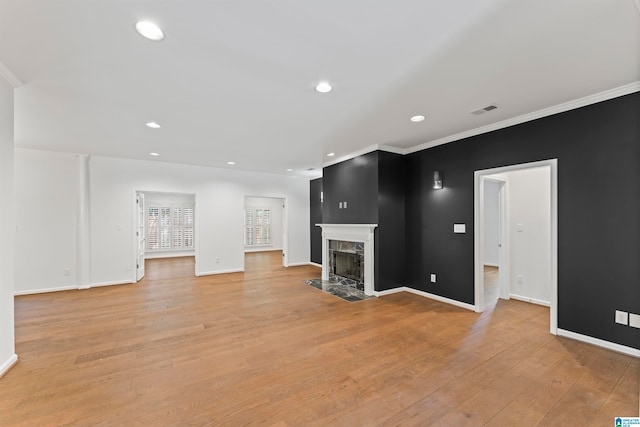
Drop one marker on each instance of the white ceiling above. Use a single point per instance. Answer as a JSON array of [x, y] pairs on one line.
[[233, 80]]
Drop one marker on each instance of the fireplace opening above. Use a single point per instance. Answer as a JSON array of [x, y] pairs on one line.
[[348, 265]]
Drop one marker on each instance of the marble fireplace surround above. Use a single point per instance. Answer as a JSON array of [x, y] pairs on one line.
[[351, 233]]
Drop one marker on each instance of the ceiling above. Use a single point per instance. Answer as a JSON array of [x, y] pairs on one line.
[[233, 80]]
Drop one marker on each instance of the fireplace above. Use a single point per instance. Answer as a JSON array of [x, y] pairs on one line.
[[348, 265], [347, 255]]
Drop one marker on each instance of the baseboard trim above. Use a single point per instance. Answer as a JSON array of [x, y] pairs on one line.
[[531, 300], [267, 248], [490, 264], [630, 351], [161, 255], [45, 290], [297, 264], [211, 273], [389, 291], [427, 295], [100, 284], [8, 364], [315, 264]]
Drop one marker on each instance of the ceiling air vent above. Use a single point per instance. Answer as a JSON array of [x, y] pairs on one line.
[[311, 169], [484, 109]]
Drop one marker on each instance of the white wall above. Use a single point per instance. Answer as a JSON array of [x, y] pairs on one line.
[[7, 228], [529, 210], [46, 200], [277, 215], [219, 196], [491, 223]]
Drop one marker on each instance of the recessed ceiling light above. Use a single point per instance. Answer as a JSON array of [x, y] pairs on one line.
[[154, 154], [231, 163], [331, 154], [153, 125], [149, 30], [323, 87], [417, 118], [289, 170]]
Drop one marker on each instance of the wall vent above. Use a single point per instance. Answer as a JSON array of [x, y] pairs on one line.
[[484, 109]]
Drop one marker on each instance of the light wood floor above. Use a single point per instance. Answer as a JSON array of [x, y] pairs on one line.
[[262, 348]]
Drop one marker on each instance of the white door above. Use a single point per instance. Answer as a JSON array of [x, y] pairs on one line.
[[504, 290], [142, 237]]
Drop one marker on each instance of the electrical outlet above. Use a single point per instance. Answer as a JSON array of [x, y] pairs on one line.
[[217, 260], [433, 278], [67, 271], [520, 279], [127, 267], [634, 320], [622, 317]]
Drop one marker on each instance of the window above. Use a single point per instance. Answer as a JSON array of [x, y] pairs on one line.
[[169, 227], [257, 223]]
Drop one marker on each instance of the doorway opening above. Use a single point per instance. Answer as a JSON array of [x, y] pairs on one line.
[[165, 228], [266, 226], [527, 212]]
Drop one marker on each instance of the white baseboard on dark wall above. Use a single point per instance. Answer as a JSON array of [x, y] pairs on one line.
[[490, 264], [8, 364], [315, 264], [531, 300], [390, 291], [427, 295], [630, 351]]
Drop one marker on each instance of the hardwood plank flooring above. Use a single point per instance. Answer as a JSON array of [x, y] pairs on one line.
[[263, 348]]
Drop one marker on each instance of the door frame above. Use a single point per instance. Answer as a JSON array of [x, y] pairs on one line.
[[285, 226], [478, 236], [140, 209], [134, 219], [504, 238]]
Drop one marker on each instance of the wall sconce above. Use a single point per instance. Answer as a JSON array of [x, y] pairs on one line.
[[437, 181]]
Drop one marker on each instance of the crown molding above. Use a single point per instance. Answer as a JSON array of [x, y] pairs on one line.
[[9, 76], [560, 108], [365, 150], [549, 111]]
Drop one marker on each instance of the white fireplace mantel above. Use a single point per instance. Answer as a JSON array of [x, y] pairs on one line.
[[351, 233]]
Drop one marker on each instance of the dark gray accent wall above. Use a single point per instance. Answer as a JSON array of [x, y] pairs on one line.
[[598, 152], [315, 216], [354, 181], [390, 233], [373, 187]]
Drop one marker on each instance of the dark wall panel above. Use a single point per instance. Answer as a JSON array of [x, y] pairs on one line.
[[598, 154], [354, 181], [390, 233], [315, 204]]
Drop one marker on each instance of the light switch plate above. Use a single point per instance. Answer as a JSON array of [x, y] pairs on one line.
[[433, 278], [459, 228], [634, 320], [622, 317], [519, 228]]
